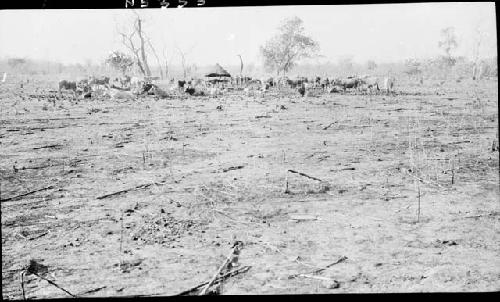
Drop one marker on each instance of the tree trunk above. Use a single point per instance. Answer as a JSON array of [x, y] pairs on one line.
[[143, 50], [156, 57], [139, 64], [241, 66], [166, 69], [183, 68]]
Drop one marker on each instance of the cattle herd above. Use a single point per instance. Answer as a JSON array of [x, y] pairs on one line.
[[85, 87]]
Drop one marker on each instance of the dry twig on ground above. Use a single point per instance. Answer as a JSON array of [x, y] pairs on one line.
[[230, 260], [219, 279], [305, 175], [26, 194], [341, 259]]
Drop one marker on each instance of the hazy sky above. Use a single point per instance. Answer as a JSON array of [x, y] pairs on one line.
[[382, 32]]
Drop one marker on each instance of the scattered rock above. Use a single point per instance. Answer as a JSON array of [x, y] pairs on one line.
[[331, 284]]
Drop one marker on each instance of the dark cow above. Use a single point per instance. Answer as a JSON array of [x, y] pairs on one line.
[[302, 89], [181, 84], [98, 81], [189, 90], [245, 80], [270, 82], [192, 91], [148, 88], [297, 82], [325, 83], [67, 85]]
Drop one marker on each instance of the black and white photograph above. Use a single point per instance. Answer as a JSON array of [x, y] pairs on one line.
[[249, 150]]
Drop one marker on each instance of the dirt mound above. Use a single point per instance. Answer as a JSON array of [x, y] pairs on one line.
[[163, 229]]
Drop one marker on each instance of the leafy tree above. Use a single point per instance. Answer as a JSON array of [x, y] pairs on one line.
[[16, 62], [282, 52], [120, 61]]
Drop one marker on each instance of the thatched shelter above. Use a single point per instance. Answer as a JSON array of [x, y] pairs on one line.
[[217, 74]]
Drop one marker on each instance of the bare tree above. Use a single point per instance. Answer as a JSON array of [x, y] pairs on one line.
[[448, 43], [128, 42], [183, 62], [137, 48], [183, 54], [164, 54], [475, 55], [156, 56], [138, 29], [241, 66]]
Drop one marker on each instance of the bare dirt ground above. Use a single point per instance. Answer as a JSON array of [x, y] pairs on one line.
[[202, 177]]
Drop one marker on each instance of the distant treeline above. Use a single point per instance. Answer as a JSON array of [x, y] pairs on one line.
[[425, 68]]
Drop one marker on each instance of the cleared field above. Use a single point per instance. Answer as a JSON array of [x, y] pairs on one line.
[[193, 175]]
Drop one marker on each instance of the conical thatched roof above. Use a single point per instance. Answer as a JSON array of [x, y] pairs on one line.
[[217, 71]]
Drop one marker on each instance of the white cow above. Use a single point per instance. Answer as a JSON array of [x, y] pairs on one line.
[[370, 82], [214, 91], [136, 82], [308, 86], [389, 84], [117, 94]]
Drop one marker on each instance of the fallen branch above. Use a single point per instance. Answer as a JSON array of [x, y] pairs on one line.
[[53, 283], [22, 284], [219, 279], [341, 259], [233, 168], [305, 175], [271, 247], [92, 290], [319, 152], [481, 215], [346, 169], [55, 127], [303, 217], [49, 146], [229, 260], [226, 215], [331, 124], [38, 236], [58, 118], [126, 190], [459, 142], [26, 194], [33, 269], [316, 277]]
